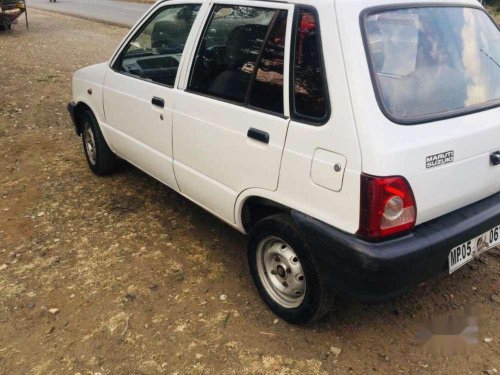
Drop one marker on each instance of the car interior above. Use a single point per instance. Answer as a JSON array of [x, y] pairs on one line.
[[155, 53], [227, 56]]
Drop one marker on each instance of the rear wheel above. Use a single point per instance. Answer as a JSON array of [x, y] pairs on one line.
[[100, 158], [284, 272]]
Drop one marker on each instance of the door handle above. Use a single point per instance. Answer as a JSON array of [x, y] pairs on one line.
[[158, 102], [258, 135], [495, 158]]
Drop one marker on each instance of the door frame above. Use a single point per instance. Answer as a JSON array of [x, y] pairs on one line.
[[182, 84], [162, 174], [147, 17]]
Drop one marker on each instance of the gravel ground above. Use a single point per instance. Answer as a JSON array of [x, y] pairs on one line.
[[121, 275]]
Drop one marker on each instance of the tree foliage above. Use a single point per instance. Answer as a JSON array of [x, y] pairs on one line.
[[494, 7], [492, 3]]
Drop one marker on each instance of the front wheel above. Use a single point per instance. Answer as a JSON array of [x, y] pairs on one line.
[[284, 272], [100, 158]]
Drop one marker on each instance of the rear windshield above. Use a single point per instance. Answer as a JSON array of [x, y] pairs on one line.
[[434, 62]]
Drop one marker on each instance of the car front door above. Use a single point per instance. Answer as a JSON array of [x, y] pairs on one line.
[[139, 90], [231, 119]]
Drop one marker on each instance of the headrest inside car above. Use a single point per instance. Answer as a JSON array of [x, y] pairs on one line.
[[243, 45]]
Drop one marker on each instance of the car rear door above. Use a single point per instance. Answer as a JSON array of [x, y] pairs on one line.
[[231, 119], [139, 90]]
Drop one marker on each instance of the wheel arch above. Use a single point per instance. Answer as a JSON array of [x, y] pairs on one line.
[[80, 109], [253, 207]]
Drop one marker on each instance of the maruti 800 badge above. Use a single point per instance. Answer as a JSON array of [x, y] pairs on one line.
[[439, 159]]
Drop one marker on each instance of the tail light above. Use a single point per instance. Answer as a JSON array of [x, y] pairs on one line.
[[388, 206]]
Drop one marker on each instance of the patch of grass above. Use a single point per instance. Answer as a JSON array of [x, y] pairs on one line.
[[47, 78]]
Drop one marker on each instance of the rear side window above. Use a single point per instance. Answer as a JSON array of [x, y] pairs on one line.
[[241, 57], [433, 62], [310, 96]]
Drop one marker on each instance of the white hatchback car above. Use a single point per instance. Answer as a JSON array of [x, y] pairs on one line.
[[357, 142]]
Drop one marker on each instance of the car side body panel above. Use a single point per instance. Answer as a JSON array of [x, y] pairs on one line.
[[215, 159], [87, 88]]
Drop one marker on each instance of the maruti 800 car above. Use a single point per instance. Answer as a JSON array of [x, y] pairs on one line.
[[356, 142]]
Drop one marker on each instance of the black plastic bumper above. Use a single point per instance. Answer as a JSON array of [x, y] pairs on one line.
[[379, 271], [71, 111]]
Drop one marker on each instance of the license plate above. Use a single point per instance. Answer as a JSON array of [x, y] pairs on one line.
[[463, 254]]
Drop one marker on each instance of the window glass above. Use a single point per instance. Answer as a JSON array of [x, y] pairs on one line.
[[155, 53], [432, 61], [229, 50], [310, 95], [267, 87]]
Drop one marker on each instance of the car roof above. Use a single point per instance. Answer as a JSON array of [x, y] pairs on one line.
[[360, 3]]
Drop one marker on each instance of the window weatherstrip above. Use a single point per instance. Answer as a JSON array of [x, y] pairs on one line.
[[293, 49]]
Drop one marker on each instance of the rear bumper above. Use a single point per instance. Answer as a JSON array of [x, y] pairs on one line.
[[379, 271]]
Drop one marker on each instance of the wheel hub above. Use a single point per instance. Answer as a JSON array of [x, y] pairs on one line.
[[281, 272]]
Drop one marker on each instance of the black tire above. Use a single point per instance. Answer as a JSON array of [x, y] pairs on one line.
[[102, 161], [317, 300]]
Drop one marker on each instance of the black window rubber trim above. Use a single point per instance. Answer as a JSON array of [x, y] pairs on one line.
[[296, 116], [376, 87]]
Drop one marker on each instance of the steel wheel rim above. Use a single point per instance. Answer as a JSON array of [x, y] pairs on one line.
[[281, 272], [89, 142]]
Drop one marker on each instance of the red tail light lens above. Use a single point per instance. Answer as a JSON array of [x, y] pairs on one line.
[[387, 206]]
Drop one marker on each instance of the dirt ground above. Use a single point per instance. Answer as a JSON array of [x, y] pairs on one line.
[[121, 275]]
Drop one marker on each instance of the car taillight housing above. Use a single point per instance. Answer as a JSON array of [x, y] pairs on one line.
[[388, 207]]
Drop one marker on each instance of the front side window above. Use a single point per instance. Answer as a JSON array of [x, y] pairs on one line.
[[310, 96], [431, 62], [154, 54], [230, 51]]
